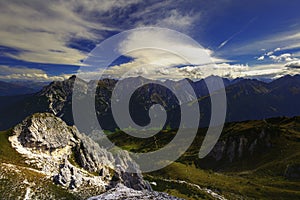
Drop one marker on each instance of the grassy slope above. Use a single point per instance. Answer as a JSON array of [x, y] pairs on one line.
[[232, 185], [256, 177]]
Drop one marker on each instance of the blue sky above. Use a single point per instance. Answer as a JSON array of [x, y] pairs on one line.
[[48, 40]]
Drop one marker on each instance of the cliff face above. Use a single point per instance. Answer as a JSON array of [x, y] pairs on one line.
[[70, 158], [236, 147], [243, 144]]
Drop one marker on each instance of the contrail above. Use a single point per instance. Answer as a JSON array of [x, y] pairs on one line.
[[235, 34]]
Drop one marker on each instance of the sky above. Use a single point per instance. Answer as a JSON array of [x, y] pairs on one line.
[[49, 40]]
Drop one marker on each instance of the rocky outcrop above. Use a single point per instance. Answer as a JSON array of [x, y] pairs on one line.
[[233, 147], [123, 192], [70, 158], [44, 132], [292, 171]]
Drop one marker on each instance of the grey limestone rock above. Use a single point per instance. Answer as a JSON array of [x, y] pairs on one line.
[[73, 159]]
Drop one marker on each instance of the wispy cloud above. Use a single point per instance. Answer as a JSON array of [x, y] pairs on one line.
[[226, 70], [41, 30], [287, 40], [177, 21]]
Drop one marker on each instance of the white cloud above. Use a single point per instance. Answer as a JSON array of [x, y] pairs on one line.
[[221, 69], [23, 73], [286, 57], [271, 71], [277, 49], [261, 58], [272, 52], [133, 69], [162, 40], [197, 72], [157, 54]]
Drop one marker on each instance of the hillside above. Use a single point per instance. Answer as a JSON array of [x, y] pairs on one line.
[[252, 160]]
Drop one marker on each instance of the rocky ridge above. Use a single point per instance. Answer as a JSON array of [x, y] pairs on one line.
[[72, 159], [235, 147]]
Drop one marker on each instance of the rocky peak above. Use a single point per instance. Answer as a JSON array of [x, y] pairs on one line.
[[70, 158], [59, 93]]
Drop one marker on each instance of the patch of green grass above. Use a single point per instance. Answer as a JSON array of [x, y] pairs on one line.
[[15, 181], [72, 160], [176, 189], [7, 153]]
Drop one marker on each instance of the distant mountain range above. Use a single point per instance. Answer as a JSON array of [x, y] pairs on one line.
[[247, 99], [20, 87]]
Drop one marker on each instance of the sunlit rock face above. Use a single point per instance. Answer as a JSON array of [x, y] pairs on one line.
[[70, 158], [123, 192]]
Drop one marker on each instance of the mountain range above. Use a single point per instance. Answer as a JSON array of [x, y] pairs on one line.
[[20, 87], [247, 99]]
